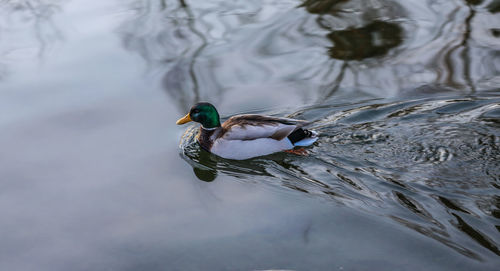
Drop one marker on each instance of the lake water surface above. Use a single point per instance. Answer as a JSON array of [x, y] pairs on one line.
[[95, 175]]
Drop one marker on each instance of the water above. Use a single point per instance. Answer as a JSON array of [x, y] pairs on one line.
[[95, 175]]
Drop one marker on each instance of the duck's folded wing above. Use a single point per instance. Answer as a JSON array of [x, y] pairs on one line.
[[250, 127]]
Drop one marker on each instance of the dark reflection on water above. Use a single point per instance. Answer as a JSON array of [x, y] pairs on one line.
[[429, 164], [322, 6], [372, 40], [494, 6]]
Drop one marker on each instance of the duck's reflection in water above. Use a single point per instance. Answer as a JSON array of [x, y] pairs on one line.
[[207, 165], [204, 165]]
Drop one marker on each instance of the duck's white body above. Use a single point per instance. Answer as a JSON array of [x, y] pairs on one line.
[[245, 149], [240, 139]]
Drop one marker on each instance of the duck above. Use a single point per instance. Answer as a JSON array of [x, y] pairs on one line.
[[246, 136]]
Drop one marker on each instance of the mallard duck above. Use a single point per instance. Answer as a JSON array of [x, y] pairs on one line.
[[246, 136]]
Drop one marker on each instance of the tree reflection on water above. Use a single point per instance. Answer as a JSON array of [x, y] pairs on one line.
[[372, 40], [377, 47], [35, 16], [166, 36], [449, 56]]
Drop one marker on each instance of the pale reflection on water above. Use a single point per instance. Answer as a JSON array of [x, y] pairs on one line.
[[404, 94]]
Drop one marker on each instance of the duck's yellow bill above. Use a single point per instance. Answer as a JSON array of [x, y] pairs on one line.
[[184, 119]]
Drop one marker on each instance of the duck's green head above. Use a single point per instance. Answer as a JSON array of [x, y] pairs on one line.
[[204, 113]]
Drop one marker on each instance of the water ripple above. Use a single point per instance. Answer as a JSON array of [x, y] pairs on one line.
[[396, 159]]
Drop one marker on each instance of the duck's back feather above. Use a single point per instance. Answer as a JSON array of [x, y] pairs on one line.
[[251, 127]]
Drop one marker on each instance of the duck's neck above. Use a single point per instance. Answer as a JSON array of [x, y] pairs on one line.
[[207, 136]]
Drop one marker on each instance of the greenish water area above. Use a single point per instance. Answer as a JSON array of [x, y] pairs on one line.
[[95, 175]]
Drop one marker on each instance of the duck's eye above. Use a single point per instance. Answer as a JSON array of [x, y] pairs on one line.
[[196, 111]]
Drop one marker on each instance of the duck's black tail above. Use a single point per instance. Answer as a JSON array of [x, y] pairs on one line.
[[300, 134]]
